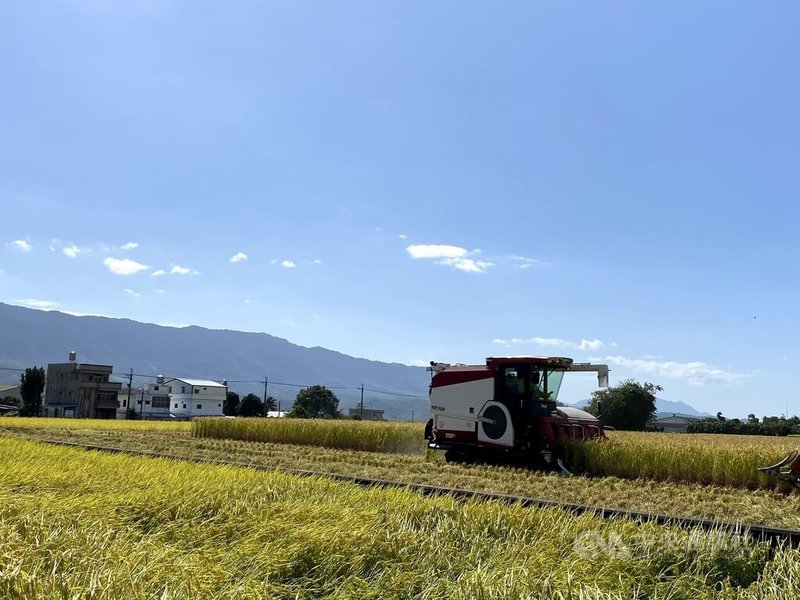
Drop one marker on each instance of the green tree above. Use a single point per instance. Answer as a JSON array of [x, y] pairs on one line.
[[231, 405], [629, 405], [251, 406], [31, 388], [9, 401], [315, 402], [271, 404]]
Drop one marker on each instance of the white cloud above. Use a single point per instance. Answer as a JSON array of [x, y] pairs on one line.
[[129, 246], [402, 236], [22, 245], [450, 256], [158, 273], [159, 292], [179, 270], [436, 251], [238, 257], [317, 261], [594, 344], [584, 345], [288, 264], [695, 373], [131, 293], [249, 301], [71, 251], [467, 264], [124, 266], [33, 303], [523, 262]]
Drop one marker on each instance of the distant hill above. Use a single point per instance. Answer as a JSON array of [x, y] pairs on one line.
[[34, 337], [663, 407]]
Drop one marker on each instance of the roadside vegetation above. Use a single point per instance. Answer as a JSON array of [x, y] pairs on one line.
[[115, 526]]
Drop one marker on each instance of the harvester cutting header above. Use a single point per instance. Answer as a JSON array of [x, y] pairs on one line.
[[507, 407]]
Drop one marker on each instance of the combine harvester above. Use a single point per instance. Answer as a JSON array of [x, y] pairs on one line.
[[507, 409], [787, 470]]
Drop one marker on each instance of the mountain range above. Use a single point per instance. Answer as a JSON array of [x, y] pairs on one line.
[[663, 408], [31, 337]]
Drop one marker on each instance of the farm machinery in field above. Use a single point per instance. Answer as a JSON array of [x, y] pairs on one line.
[[508, 408], [787, 470]]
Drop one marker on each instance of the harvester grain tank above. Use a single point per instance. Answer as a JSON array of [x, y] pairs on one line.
[[507, 407]]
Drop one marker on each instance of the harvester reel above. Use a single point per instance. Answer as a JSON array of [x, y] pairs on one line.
[[786, 470]]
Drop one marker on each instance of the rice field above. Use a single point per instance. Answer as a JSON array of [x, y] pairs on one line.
[[115, 527], [707, 459], [93, 424], [372, 436], [685, 499]]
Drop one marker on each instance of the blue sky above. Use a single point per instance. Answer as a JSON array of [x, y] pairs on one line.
[[416, 181]]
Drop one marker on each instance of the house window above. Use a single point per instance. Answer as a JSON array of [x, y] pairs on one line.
[[183, 389], [124, 403], [176, 405], [184, 406], [197, 390], [155, 388], [161, 402], [199, 406]]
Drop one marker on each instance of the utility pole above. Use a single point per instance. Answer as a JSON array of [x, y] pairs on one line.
[[130, 385], [362, 402], [264, 411]]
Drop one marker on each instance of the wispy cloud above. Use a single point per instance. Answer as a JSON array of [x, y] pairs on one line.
[[238, 257], [523, 262], [43, 304], [696, 373], [124, 266], [129, 246], [21, 245], [179, 270], [584, 344], [71, 251], [158, 273], [131, 293], [317, 261], [288, 264], [451, 256]]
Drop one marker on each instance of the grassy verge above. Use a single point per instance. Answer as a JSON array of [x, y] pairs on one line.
[[729, 504], [112, 526]]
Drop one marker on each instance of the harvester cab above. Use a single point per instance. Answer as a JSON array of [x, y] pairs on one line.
[[507, 407]]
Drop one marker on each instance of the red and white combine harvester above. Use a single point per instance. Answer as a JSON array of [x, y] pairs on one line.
[[507, 408]]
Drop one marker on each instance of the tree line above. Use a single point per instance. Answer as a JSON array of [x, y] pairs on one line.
[[315, 402]]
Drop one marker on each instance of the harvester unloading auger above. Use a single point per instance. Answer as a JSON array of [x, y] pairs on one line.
[[787, 470], [507, 407]]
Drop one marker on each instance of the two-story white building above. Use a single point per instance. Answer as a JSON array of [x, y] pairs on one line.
[[195, 397]]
